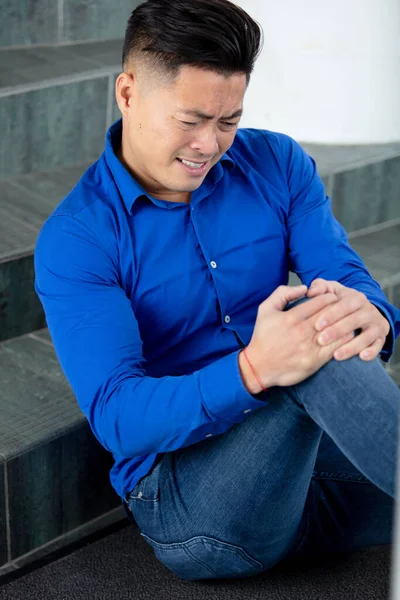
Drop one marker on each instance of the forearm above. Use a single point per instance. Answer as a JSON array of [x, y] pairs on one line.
[[144, 415]]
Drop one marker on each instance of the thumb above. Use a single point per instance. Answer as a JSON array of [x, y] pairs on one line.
[[284, 294]]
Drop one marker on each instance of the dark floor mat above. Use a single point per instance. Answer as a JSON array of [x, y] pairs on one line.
[[122, 566]]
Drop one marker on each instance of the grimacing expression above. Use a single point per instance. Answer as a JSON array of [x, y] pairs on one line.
[[194, 119]]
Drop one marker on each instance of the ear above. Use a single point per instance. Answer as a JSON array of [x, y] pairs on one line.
[[123, 91]]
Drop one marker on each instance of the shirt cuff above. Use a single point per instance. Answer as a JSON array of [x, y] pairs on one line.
[[388, 346], [223, 392]]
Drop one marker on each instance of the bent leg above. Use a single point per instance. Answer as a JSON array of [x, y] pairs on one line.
[[232, 505], [358, 405], [345, 510]]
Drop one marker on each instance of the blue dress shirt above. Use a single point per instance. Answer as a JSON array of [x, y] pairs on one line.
[[148, 302]]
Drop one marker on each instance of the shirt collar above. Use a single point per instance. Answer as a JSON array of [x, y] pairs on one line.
[[129, 188]]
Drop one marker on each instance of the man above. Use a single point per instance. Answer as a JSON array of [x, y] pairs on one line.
[[245, 429]]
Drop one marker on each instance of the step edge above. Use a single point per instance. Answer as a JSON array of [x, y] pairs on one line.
[[66, 43], [62, 431], [103, 521], [86, 75]]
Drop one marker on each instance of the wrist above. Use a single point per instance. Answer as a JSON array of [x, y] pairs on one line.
[[251, 381]]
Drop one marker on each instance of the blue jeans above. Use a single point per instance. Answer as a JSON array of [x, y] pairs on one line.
[[314, 471]]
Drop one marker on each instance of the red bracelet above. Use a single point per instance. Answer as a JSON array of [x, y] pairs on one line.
[[253, 371]]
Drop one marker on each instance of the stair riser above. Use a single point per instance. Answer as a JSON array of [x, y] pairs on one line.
[[56, 126], [367, 195], [45, 503], [50, 22], [20, 309]]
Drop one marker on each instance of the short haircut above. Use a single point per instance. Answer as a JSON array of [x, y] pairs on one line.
[[212, 35]]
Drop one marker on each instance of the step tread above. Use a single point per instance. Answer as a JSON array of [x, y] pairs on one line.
[[335, 159], [27, 201], [37, 403], [21, 67], [380, 250]]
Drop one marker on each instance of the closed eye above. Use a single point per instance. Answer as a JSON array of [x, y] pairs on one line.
[[222, 123]]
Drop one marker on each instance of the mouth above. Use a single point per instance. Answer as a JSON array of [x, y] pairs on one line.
[[194, 167]]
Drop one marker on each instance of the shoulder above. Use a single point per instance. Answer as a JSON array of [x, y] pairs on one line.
[[87, 212], [91, 188], [263, 148]]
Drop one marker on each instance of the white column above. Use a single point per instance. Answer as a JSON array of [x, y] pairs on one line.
[[329, 72]]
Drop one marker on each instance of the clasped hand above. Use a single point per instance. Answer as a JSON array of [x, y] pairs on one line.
[[352, 311]]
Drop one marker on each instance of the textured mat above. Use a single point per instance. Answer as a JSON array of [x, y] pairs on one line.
[[122, 566]]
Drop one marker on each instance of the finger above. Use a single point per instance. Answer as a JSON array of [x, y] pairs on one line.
[[284, 294], [316, 290], [313, 306], [346, 305], [356, 346], [372, 351], [330, 350], [318, 281], [324, 286], [356, 320]]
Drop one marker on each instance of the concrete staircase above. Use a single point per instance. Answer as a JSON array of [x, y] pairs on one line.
[[56, 103]]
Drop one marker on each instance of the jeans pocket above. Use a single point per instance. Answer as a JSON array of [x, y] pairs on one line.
[[203, 557], [147, 488]]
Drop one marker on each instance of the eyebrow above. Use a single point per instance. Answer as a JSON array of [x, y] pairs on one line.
[[201, 115]]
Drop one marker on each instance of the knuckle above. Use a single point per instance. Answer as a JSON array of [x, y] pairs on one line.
[[362, 298], [305, 362], [301, 329], [353, 302], [376, 336], [291, 318], [330, 297]]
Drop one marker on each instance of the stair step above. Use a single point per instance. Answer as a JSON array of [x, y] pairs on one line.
[[27, 69], [363, 182], [57, 101], [380, 250], [340, 159], [54, 475], [49, 21], [26, 202]]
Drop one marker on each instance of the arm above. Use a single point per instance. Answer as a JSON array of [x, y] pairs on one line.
[[97, 341], [318, 244]]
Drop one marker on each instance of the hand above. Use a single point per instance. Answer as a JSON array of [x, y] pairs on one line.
[[352, 311], [283, 349]]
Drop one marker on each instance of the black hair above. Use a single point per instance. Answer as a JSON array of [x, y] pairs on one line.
[[213, 35]]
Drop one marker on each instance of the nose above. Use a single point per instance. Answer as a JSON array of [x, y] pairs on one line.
[[206, 142]]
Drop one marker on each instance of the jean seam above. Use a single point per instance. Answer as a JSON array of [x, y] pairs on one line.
[[305, 533], [339, 476], [186, 546], [200, 562]]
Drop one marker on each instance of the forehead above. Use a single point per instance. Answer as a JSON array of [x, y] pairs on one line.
[[196, 89]]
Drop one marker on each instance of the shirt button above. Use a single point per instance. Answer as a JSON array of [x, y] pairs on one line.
[[227, 319], [247, 411], [209, 435], [213, 264]]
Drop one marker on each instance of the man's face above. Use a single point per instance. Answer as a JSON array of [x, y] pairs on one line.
[[159, 129]]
